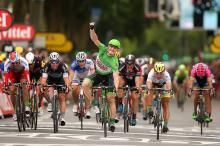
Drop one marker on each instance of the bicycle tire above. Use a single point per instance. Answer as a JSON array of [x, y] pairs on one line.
[[34, 112], [201, 116], [18, 113], [81, 115], [104, 118], [55, 114], [24, 122]]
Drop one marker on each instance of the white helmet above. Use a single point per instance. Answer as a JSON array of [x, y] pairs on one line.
[[81, 56], [54, 56], [29, 57]]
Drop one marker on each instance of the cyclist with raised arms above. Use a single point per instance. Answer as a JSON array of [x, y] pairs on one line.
[[55, 72], [201, 77], [130, 74], [80, 68], [16, 70], [106, 73], [158, 77]]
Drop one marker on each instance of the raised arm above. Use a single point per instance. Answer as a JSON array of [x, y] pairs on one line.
[[93, 35]]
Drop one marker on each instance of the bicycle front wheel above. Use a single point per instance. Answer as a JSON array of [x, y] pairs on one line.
[[55, 114]]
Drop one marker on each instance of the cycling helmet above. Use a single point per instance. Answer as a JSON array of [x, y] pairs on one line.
[[140, 61], [115, 43], [14, 56], [81, 56], [54, 56], [159, 67], [29, 57], [181, 67], [200, 69], [19, 50], [130, 59]]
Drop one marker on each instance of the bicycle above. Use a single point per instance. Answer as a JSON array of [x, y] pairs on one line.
[[105, 115], [55, 105], [201, 108], [34, 101], [182, 98], [158, 117], [81, 106], [19, 106], [127, 115]]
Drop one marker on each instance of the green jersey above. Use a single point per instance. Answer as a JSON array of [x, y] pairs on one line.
[[180, 77], [105, 64]]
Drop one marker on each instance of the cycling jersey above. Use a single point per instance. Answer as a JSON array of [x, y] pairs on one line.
[[105, 64], [80, 73], [129, 76], [55, 76], [145, 71], [200, 81], [36, 69], [180, 76], [16, 72], [159, 81]]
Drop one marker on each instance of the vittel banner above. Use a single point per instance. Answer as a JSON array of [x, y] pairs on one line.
[[18, 32]]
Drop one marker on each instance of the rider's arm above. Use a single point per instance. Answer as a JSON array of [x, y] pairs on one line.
[[116, 79], [138, 76], [44, 75], [71, 75], [66, 76], [94, 37], [92, 67], [6, 73]]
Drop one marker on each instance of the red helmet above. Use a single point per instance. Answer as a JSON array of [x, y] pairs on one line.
[[200, 69]]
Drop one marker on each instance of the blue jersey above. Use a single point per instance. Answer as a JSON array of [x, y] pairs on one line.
[[82, 72]]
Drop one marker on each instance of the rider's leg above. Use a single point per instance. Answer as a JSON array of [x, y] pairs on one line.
[[75, 95], [62, 102], [208, 105], [166, 111], [86, 85], [25, 92]]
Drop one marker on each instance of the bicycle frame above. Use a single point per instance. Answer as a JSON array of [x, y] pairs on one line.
[[201, 108], [55, 106]]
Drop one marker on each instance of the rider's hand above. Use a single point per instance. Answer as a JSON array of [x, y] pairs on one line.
[[92, 25]]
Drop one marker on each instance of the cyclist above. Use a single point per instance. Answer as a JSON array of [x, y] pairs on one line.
[[16, 70], [160, 78], [180, 81], [80, 68], [130, 73], [55, 72], [35, 67], [106, 73], [201, 77]]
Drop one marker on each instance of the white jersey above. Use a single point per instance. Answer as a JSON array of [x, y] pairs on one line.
[[23, 65], [161, 80]]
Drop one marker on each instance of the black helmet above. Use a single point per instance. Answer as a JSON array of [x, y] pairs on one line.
[[130, 59]]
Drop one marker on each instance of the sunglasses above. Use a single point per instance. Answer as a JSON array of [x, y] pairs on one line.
[[15, 62], [80, 61], [54, 62], [112, 46]]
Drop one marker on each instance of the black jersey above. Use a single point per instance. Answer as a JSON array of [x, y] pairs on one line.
[[55, 76], [36, 69]]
